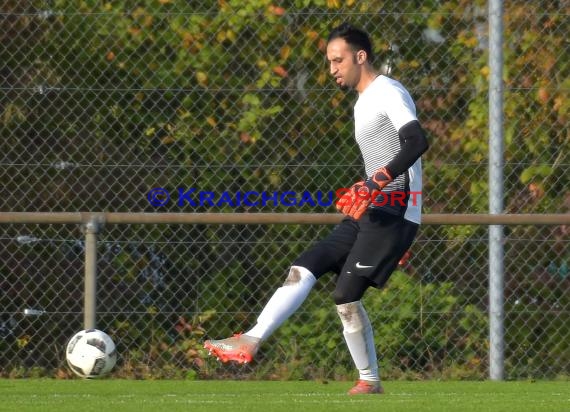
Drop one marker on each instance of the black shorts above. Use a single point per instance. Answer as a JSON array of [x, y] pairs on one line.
[[370, 247]]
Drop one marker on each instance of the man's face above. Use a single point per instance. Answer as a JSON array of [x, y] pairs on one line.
[[343, 62]]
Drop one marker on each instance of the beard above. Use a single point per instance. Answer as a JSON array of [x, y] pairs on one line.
[[344, 86]]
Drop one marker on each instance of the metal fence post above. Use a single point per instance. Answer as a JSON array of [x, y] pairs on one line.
[[90, 300], [496, 192]]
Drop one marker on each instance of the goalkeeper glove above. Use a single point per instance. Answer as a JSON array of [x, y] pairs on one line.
[[355, 202], [379, 179], [347, 198]]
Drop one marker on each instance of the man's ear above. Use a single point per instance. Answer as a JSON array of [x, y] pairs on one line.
[[361, 56]]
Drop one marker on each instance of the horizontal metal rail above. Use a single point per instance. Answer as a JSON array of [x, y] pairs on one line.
[[114, 218]]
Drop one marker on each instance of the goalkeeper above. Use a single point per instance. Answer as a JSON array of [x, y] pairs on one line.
[[364, 249]]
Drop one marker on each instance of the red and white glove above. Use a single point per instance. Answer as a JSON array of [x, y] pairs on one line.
[[355, 202]]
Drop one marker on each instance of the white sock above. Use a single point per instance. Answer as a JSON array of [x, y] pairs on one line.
[[284, 302], [359, 339]]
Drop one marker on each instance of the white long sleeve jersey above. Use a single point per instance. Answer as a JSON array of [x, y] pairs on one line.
[[380, 111]]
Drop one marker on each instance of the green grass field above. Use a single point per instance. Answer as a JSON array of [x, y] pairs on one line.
[[112, 395]]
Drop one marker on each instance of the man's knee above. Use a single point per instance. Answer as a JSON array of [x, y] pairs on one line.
[[341, 297], [298, 274], [350, 288]]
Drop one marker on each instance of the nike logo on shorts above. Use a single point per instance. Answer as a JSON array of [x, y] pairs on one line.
[[359, 266]]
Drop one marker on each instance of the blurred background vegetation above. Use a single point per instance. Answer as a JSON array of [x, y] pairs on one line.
[[103, 100]]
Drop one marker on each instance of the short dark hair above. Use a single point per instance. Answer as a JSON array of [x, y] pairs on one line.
[[355, 37]]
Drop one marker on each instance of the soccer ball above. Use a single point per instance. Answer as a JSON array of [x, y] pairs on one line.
[[91, 353]]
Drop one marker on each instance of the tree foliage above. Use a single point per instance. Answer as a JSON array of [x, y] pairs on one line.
[[235, 95]]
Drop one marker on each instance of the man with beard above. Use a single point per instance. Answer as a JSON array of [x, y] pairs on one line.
[[381, 218]]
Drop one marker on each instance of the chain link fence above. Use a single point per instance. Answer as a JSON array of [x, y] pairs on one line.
[[228, 107]]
